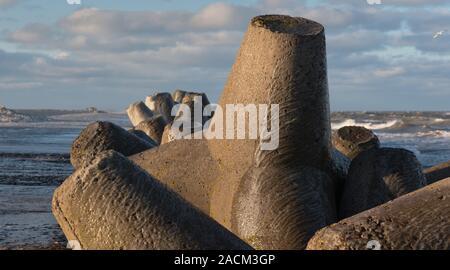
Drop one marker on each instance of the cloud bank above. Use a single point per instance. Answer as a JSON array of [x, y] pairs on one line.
[[380, 57]]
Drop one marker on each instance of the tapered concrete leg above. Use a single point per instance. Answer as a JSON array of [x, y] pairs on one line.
[[113, 204], [353, 140], [141, 134], [339, 167], [154, 128], [282, 60], [377, 176], [281, 207], [419, 220], [102, 136], [178, 95], [437, 172], [162, 104], [138, 112]]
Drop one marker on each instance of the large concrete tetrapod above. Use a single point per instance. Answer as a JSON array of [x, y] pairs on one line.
[[284, 196], [377, 176], [418, 220], [110, 203], [282, 61]]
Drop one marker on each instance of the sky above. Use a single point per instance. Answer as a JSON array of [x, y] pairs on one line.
[[110, 53]]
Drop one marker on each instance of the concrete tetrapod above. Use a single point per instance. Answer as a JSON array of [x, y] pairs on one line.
[[162, 104], [377, 176], [154, 128], [101, 136], [282, 61], [419, 220], [138, 112], [352, 140], [113, 204], [438, 172]]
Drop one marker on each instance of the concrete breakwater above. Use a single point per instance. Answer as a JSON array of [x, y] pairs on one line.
[[239, 195]]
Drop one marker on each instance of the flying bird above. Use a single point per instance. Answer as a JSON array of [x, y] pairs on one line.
[[439, 34]]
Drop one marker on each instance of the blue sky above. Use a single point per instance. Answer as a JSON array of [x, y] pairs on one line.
[[109, 53]]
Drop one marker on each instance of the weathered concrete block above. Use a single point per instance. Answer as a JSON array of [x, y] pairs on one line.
[[416, 221], [162, 104], [167, 136], [339, 167], [185, 166], [353, 140], [281, 207], [377, 176], [113, 204], [154, 128], [101, 136], [138, 112], [437, 172], [141, 134], [178, 95], [282, 60]]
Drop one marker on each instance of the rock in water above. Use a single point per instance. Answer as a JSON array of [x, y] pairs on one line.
[[113, 204], [162, 104], [377, 176], [416, 221], [154, 128], [437, 172], [101, 136], [353, 140], [138, 112]]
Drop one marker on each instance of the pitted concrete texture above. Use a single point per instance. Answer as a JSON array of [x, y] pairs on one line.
[[437, 172], [154, 128], [416, 221], [377, 176], [282, 60], [353, 140], [111, 203], [281, 207], [276, 64], [101, 136], [339, 167], [138, 112], [185, 166], [141, 134]]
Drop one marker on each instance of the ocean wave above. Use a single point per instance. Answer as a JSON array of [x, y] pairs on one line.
[[368, 125], [435, 134]]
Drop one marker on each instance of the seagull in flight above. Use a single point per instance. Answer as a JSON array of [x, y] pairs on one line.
[[439, 34]]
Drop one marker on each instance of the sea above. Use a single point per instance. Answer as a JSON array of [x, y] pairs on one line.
[[35, 147]]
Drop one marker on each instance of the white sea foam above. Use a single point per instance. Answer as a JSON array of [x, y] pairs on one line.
[[371, 126], [439, 120], [435, 134]]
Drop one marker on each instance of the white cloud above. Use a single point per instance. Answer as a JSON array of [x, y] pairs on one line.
[[123, 54], [389, 72]]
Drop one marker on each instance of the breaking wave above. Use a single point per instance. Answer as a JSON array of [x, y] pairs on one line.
[[369, 125]]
